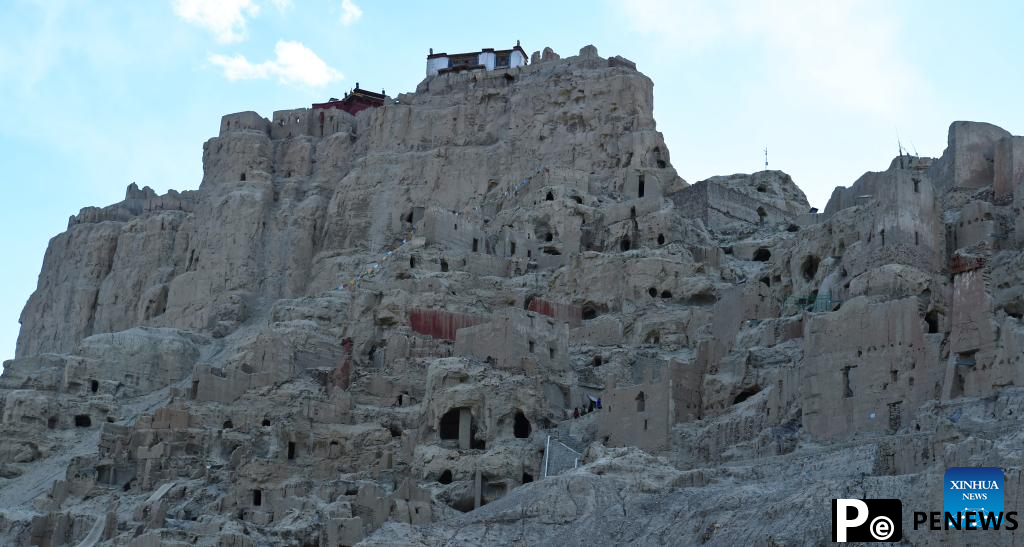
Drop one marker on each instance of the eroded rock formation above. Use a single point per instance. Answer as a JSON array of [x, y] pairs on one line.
[[377, 328]]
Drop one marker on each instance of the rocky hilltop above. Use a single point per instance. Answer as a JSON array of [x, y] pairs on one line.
[[491, 312]]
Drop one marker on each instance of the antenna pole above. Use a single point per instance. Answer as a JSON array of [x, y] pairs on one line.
[[766, 158]]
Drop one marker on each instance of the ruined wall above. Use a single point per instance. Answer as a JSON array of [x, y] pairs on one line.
[[867, 383]]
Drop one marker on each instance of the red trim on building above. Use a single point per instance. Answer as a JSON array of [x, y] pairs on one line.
[[355, 102]]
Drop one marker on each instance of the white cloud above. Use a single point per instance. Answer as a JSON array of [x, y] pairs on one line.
[[226, 19], [282, 5], [846, 52], [350, 12], [294, 63]]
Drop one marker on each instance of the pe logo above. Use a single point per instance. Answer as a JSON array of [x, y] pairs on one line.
[[971, 492], [867, 520]]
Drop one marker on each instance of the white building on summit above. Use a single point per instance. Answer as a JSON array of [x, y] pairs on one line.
[[486, 59]]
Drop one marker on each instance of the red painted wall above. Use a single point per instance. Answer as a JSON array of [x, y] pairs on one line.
[[568, 313], [439, 323]]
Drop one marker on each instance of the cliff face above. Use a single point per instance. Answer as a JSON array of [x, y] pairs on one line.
[[378, 327], [199, 260]]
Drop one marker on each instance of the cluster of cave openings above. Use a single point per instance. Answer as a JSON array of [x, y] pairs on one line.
[[521, 425]]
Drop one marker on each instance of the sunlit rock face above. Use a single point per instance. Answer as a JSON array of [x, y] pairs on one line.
[[491, 312]]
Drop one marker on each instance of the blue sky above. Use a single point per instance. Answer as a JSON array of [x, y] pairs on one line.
[[99, 94]]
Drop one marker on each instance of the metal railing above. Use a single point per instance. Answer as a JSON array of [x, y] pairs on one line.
[[559, 458]]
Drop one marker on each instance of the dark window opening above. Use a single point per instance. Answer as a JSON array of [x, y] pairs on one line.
[[549, 250], [932, 318], [83, 420], [446, 477], [632, 212], [746, 394], [641, 402], [291, 450], [917, 185], [882, 234], [661, 239], [521, 427], [792, 228], [917, 241], [532, 345], [597, 361], [527, 477], [661, 164], [549, 197], [529, 253], [266, 422], [257, 498], [94, 386], [551, 353], [653, 292], [228, 425], [624, 244], [444, 265], [476, 244], [589, 313], [412, 261], [767, 281], [728, 251], [395, 430], [242, 178], [549, 236], [761, 254], [847, 392], [578, 200], [640, 187], [761, 188], [512, 248], [450, 425], [809, 268], [666, 294], [761, 214], [51, 423]]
